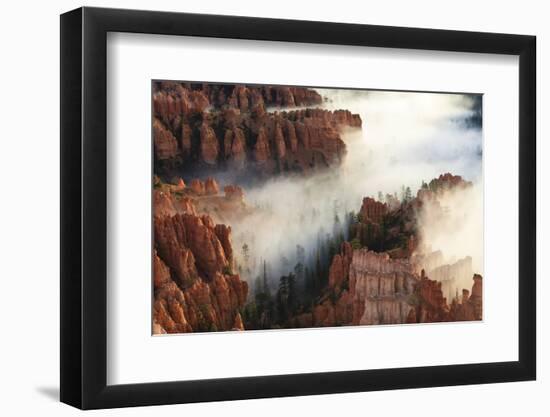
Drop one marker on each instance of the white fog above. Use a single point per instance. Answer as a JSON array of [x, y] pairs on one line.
[[406, 138]]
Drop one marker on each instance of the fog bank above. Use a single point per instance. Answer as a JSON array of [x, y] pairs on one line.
[[454, 225], [406, 138]]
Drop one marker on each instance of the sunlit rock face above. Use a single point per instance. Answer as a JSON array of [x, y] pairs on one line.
[[172, 99], [166, 146], [372, 210], [238, 134], [381, 288], [391, 291], [376, 289], [339, 269], [470, 306], [198, 235], [209, 146], [202, 307], [195, 286]]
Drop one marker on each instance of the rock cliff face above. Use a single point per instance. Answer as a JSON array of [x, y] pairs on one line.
[[470, 307], [430, 304], [372, 210], [200, 197], [370, 288], [381, 288], [195, 288], [443, 183], [339, 269], [238, 134], [166, 147], [172, 99]]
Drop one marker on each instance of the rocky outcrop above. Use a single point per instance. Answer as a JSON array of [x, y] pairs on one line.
[[172, 99], [235, 148], [209, 146], [199, 188], [381, 288], [470, 306], [202, 307], [194, 284], [238, 323], [184, 235], [233, 192], [389, 285], [437, 186], [238, 134], [275, 143], [211, 186], [166, 203], [365, 288], [261, 150], [370, 288], [166, 146], [339, 268], [198, 198], [195, 288], [161, 273], [448, 181], [476, 298], [372, 210], [431, 305]]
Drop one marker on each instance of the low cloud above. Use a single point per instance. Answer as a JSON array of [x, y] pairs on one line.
[[406, 138]]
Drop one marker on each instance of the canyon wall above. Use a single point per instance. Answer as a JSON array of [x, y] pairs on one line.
[[371, 288], [238, 134], [195, 287], [381, 288], [172, 98], [470, 306]]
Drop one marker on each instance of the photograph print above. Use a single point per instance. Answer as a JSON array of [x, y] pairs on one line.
[[290, 207]]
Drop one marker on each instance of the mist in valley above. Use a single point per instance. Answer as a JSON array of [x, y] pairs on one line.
[[406, 138]]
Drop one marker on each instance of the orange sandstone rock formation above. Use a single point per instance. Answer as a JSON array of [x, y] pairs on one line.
[[238, 133], [195, 287]]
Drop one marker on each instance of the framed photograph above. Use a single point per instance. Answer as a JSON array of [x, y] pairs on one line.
[[257, 208]]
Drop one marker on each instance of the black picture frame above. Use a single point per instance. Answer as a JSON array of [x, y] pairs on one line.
[[84, 207]]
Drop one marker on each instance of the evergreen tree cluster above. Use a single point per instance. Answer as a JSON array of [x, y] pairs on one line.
[[277, 300]]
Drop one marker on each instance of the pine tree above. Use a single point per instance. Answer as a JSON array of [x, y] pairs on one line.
[[318, 273], [408, 194], [308, 282], [246, 252], [246, 257], [258, 285], [265, 283], [299, 271], [292, 298], [300, 254], [282, 299]]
